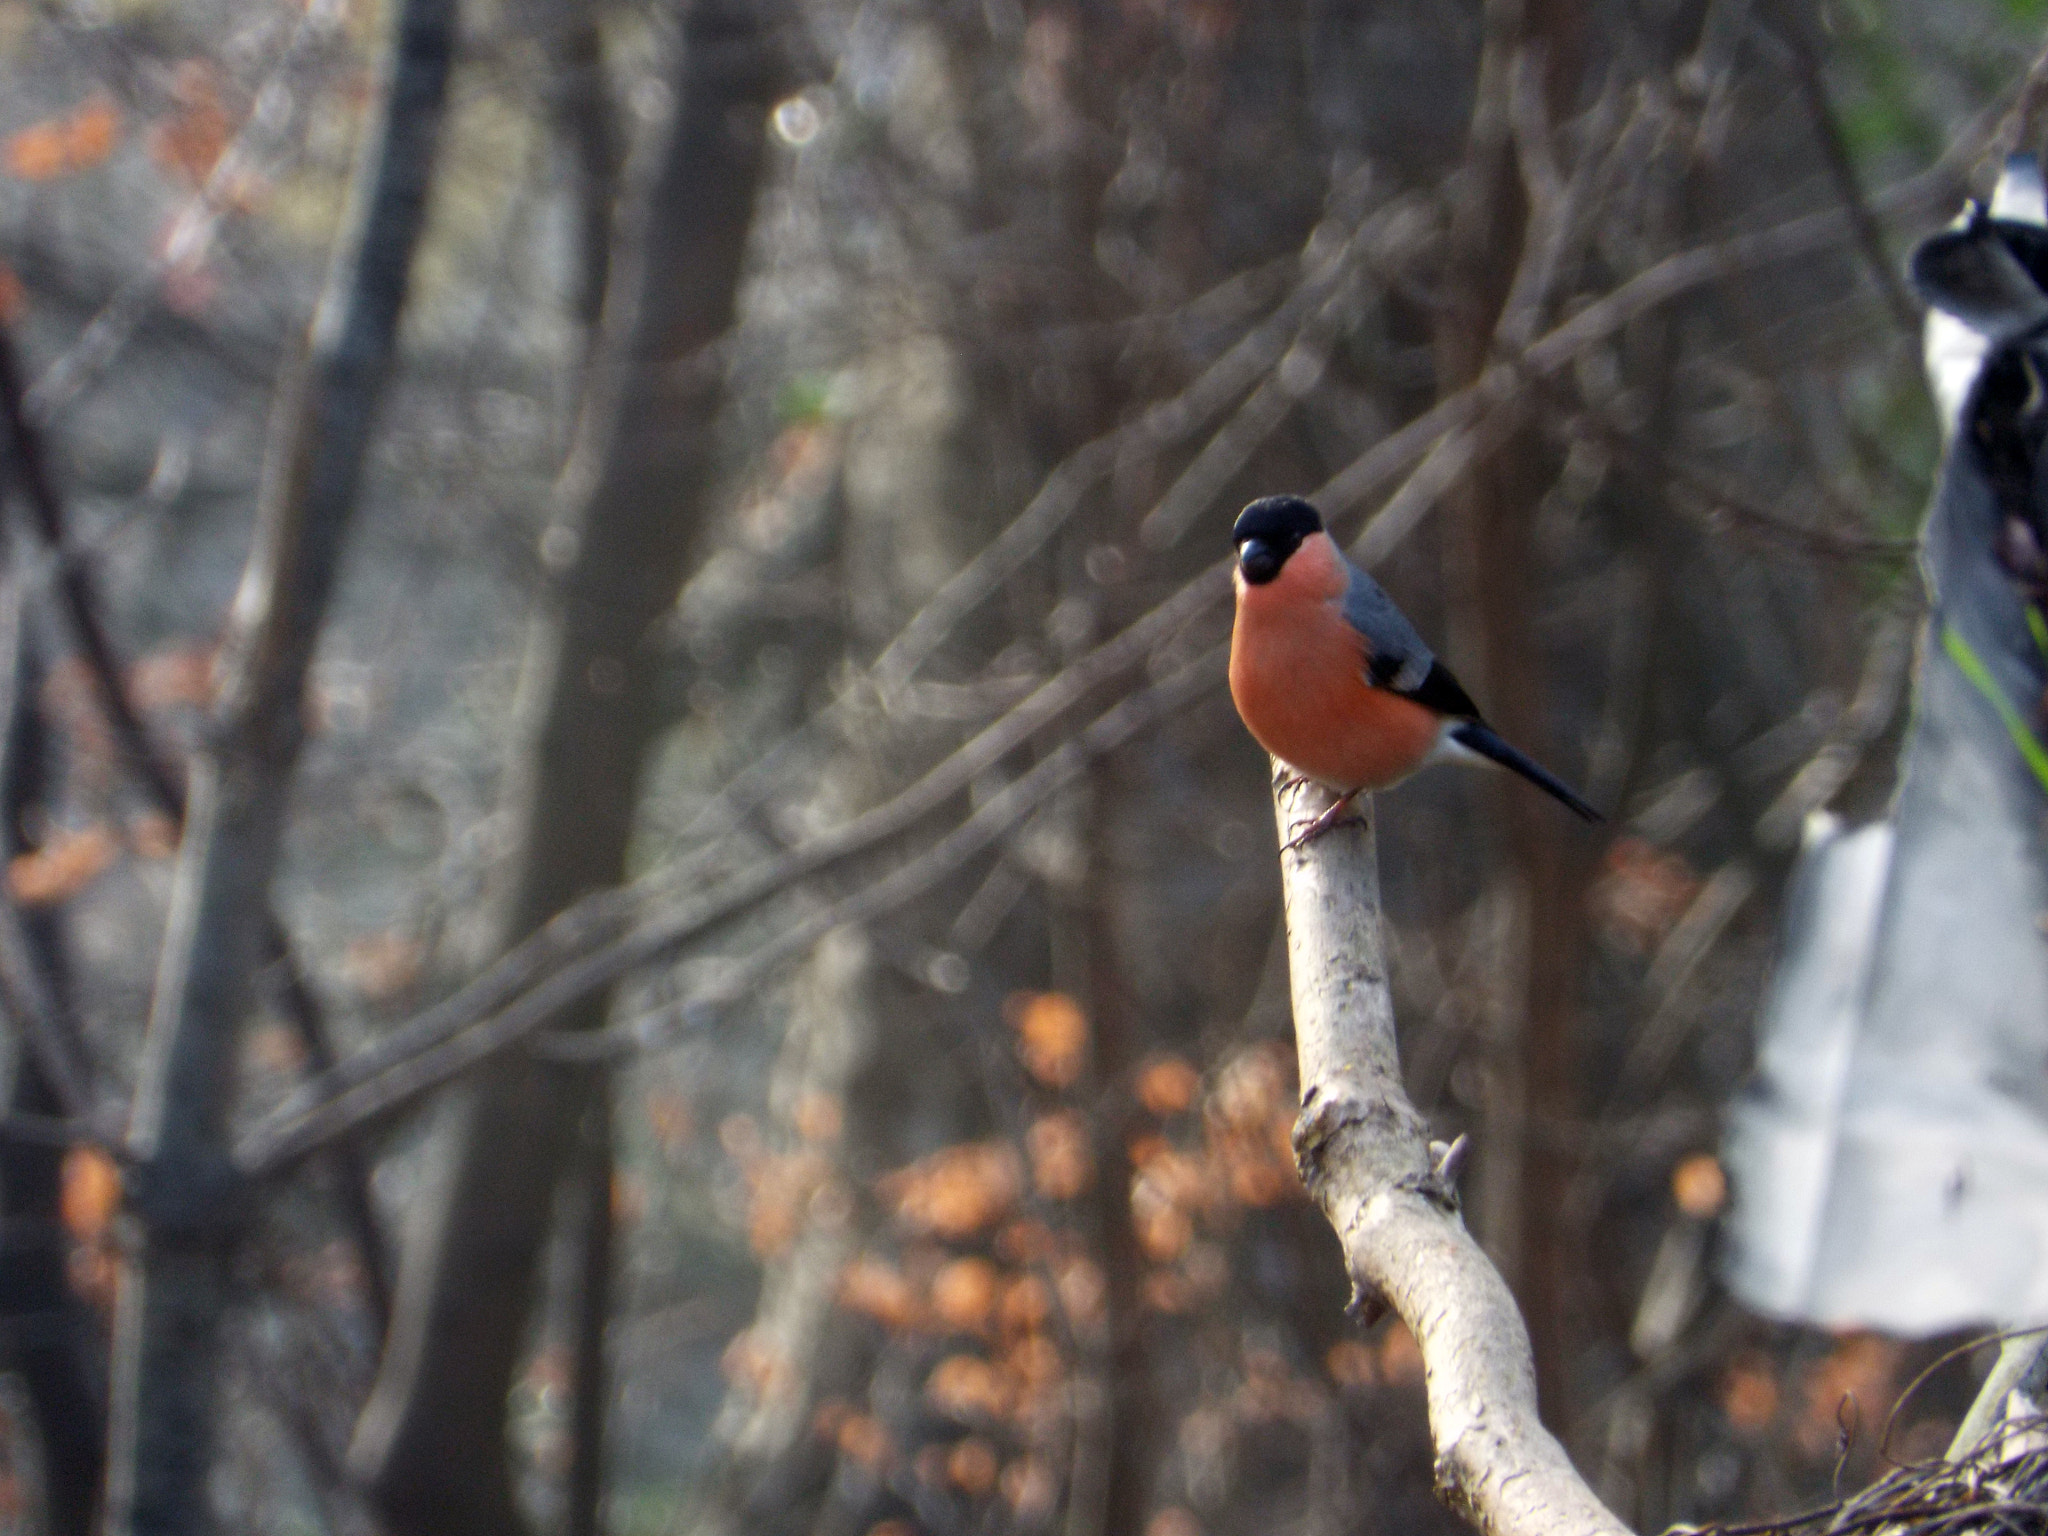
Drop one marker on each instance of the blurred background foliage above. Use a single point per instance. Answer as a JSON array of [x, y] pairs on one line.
[[981, 1215]]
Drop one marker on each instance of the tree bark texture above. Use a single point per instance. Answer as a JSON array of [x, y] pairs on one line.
[[1364, 1153], [183, 1192], [431, 1444]]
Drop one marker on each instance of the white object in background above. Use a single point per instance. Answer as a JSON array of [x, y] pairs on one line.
[[1890, 1160]]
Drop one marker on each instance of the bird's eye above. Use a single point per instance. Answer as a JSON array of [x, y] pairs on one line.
[[1259, 561]]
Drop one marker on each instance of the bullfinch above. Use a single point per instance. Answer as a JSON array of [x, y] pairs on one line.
[[1333, 680]]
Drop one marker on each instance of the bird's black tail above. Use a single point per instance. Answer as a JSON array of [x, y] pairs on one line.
[[1476, 736]]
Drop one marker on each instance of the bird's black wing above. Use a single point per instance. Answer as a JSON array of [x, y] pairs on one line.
[[1397, 659]]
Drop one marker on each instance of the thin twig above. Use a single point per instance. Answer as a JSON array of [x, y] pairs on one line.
[[76, 594], [50, 1032]]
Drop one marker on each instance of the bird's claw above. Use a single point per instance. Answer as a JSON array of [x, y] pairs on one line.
[[1330, 819]]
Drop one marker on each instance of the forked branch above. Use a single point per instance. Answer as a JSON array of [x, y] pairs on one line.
[[1365, 1154]]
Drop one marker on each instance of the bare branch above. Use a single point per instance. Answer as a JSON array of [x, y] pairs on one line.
[[254, 151], [1330, 258], [1827, 131], [21, 987], [1673, 277], [349, 1100], [1366, 1157]]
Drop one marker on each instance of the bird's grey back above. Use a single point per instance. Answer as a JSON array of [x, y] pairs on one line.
[[1399, 659]]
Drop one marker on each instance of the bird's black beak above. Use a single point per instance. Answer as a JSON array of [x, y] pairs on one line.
[[1258, 560]]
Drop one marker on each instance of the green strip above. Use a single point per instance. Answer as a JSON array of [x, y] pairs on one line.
[[1972, 667], [2038, 628]]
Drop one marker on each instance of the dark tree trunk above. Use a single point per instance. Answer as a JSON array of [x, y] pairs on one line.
[[431, 1443], [173, 1298], [53, 1338], [1492, 526]]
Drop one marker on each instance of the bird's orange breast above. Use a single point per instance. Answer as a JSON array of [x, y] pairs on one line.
[[1298, 676]]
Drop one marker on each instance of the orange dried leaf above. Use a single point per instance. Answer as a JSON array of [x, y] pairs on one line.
[[1178, 1178], [1052, 1035], [1036, 1362], [1258, 1182], [1350, 1364], [274, 1048], [383, 965], [36, 153], [968, 1387], [1165, 1291], [862, 1438], [192, 140], [1699, 1186], [62, 867], [181, 674], [1164, 1230], [1251, 1089], [629, 1198], [1642, 892], [1025, 1242], [749, 1362], [964, 1294], [92, 132], [13, 297], [1062, 1162], [780, 1199], [1749, 1393], [1400, 1357], [1167, 1085], [153, 835], [89, 1192], [878, 1290], [818, 1117], [957, 1191], [971, 1466], [57, 146], [1026, 1304], [1860, 1367]]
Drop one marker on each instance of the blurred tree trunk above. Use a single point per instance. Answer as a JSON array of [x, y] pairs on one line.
[[184, 1189], [431, 1445], [1122, 1493], [763, 1455], [1491, 533]]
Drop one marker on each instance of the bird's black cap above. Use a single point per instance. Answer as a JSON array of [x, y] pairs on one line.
[[1283, 521], [1268, 531]]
